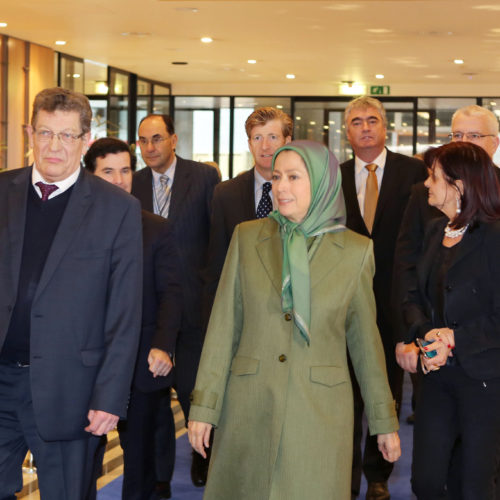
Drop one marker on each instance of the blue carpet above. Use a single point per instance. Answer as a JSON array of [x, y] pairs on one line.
[[182, 488]]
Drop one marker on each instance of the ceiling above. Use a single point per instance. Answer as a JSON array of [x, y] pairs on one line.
[[413, 43]]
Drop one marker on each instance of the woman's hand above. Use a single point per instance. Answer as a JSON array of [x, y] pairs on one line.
[[443, 341], [389, 446], [199, 436]]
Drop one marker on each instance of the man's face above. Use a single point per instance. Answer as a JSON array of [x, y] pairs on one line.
[[366, 131], [471, 128], [263, 142], [56, 160], [157, 145], [115, 168]]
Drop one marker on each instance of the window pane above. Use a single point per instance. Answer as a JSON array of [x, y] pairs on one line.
[[119, 83], [71, 72], [96, 78], [118, 118], [143, 87], [99, 124]]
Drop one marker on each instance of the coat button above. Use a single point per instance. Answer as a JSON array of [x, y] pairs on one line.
[[282, 358], [288, 317], [454, 325], [448, 288]]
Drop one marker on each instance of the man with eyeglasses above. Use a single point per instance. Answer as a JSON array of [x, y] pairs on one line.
[[470, 124], [181, 190], [70, 295]]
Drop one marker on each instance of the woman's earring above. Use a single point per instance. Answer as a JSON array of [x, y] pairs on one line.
[[459, 205]]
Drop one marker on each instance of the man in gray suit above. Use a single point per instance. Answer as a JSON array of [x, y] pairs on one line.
[[70, 300]]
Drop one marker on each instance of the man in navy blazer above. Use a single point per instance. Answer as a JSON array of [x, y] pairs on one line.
[[111, 160], [366, 127], [237, 200], [70, 277], [182, 191]]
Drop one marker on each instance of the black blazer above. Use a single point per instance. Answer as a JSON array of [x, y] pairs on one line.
[[233, 202], [400, 174], [161, 298], [85, 316], [472, 297], [189, 212]]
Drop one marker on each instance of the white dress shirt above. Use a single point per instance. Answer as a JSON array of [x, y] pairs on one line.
[[361, 174], [63, 185]]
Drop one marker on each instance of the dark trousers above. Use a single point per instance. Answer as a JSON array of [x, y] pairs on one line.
[[453, 406], [64, 468], [371, 462], [137, 438]]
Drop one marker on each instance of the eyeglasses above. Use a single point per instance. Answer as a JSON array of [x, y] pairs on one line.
[[459, 136], [44, 135], [155, 140]]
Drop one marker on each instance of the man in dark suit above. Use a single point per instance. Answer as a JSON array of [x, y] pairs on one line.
[[182, 191], [70, 277], [247, 196], [111, 160], [376, 185]]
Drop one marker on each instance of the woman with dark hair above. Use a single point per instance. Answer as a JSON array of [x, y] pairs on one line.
[[295, 295], [456, 309]]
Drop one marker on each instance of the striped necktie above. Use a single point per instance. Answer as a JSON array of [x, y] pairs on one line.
[[162, 192]]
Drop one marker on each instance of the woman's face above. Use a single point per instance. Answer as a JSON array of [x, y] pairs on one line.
[[291, 186], [442, 195]]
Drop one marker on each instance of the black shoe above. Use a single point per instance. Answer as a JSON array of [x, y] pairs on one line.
[[199, 470], [410, 419], [378, 491], [162, 490]]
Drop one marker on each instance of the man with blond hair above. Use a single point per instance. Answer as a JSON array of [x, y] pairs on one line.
[[247, 196], [376, 184]]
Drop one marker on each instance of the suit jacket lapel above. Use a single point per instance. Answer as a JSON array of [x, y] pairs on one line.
[[17, 199], [180, 187], [78, 204], [389, 187], [269, 248], [356, 221], [247, 193]]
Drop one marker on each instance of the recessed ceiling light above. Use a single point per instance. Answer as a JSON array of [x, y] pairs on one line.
[[279, 106], [207, 39], [290, 76], [60, 42], [458, 61], [379, 76], [379, 31], [252, 61], [3, 25], [76, 75]]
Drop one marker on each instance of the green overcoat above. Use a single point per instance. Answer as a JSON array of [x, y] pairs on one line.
[[283, 410]]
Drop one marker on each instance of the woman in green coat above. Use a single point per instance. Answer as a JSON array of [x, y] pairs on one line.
[[294, 296]]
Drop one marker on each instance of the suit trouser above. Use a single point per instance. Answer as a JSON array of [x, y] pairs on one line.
[[371, 462], [453, 405], [64, 467], [137, 438], [187, 358]]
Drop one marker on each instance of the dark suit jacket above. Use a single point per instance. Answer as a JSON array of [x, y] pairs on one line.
[[190, 213], [233, 202], [400, 173], [161, 298], [472, 297], [85, 316]]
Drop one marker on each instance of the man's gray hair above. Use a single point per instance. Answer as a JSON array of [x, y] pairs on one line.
[[364, 102], [475, 111]]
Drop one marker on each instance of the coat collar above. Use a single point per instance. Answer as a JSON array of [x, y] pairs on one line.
[[269, 248]]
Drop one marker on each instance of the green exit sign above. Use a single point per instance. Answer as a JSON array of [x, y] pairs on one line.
[[380, 90]]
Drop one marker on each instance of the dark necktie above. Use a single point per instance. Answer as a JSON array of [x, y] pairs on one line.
[[46, 189], [265, 205]]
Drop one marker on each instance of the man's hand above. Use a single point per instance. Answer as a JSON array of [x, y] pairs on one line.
[[407, 356], [160, 363], [101, 422]]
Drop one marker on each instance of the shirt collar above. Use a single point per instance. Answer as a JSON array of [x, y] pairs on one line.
[[170, 172], [259, 180], [359, 164], [63, 185]]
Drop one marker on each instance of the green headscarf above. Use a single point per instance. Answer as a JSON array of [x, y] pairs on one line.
[[326, 214]]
